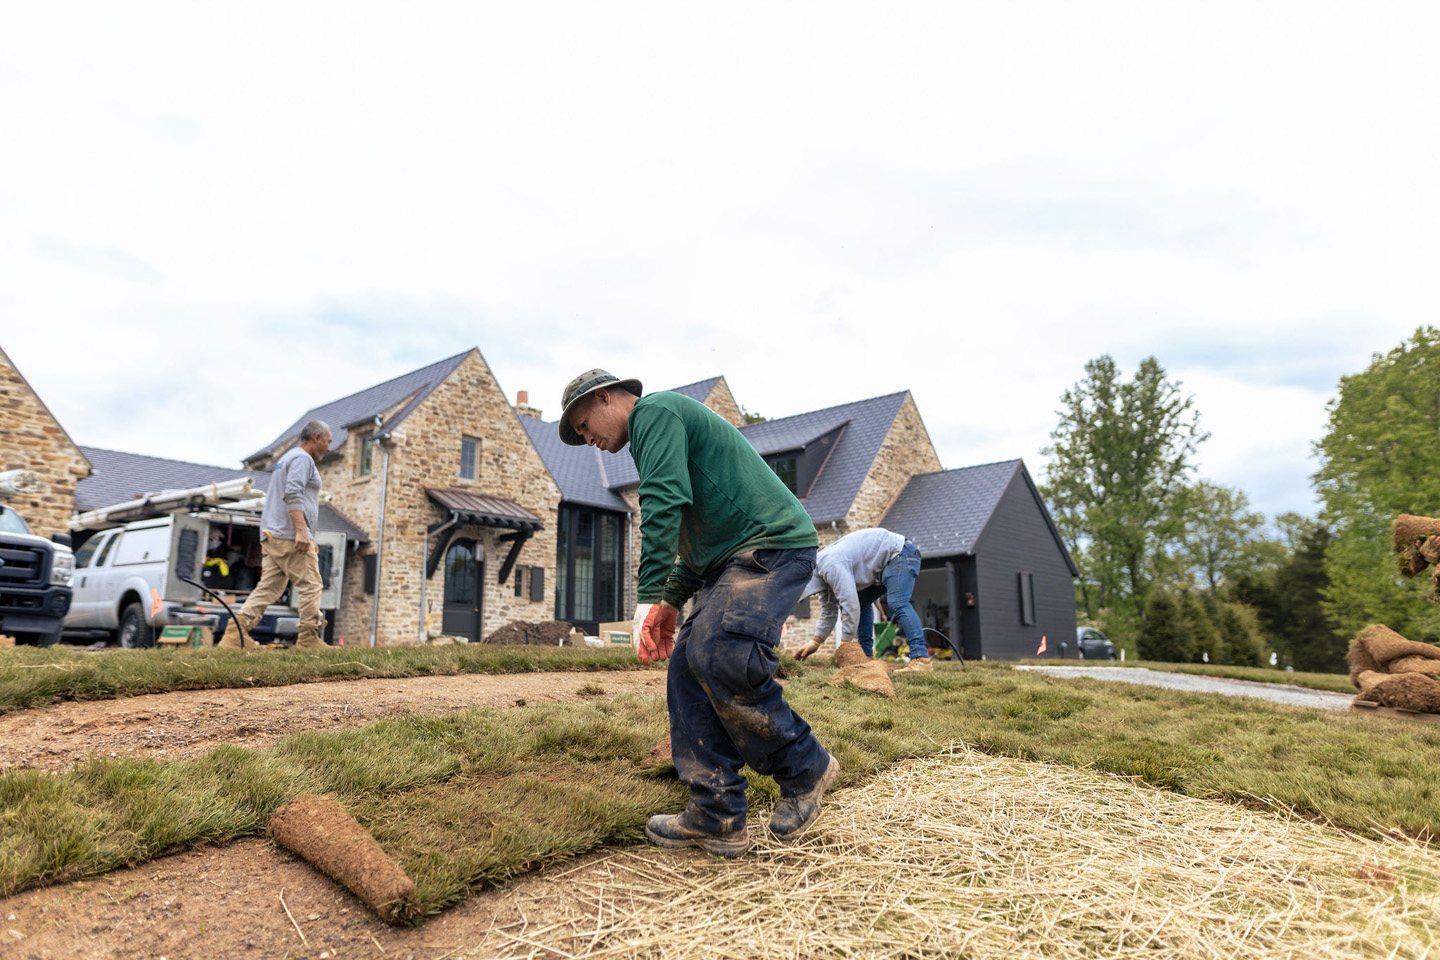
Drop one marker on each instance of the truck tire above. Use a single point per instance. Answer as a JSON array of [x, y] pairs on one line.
[[135, 629], [38, 639]]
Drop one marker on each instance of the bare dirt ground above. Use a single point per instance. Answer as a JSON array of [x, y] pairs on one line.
[[225, 901], [187, 724]]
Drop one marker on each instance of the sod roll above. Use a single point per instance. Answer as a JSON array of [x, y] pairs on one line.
[[317, 829], [1408, 691]]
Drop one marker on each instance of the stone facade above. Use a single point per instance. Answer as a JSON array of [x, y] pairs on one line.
[[32, 439], [424, 451], [722, 401]]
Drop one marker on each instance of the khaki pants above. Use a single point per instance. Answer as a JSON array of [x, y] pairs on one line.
[[284, 564]]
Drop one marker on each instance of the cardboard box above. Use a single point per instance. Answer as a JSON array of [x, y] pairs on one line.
[[618, 632]]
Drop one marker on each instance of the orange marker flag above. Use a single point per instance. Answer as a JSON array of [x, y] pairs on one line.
[[154, 602], [1042, 647]]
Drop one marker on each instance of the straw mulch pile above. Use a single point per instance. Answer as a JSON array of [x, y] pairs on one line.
[[1395, 672], [977, 856]]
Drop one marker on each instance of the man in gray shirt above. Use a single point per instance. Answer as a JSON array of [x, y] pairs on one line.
[[287, 526], [855, 571]]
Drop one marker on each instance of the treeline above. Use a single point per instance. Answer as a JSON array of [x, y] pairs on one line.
[[1179, 568]]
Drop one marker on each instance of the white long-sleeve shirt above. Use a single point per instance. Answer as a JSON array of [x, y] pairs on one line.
[[855, 561]]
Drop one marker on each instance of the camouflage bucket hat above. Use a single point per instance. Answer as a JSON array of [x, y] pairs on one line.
[[581, 387]]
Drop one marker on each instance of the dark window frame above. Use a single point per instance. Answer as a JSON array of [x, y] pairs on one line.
[[474, 459], [604, 587], [1027, 599], [365, 462]]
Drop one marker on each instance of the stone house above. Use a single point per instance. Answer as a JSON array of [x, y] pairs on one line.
[[995, 569], [460, 510], [32, 439]]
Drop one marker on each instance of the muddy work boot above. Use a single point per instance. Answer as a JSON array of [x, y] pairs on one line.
[[669, 831], [231, 638], [309, 638], [794, 815], [918, 665]]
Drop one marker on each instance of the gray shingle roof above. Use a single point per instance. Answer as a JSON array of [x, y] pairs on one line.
[[577, 470], [359, 407], [945, 512], [587, 476], [119, 477], [838, 484], [698, 390]]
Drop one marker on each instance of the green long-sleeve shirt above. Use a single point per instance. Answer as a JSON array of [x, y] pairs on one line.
[[705, 496]]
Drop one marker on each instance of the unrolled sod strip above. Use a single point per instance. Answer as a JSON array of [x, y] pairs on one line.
[[317, 828]]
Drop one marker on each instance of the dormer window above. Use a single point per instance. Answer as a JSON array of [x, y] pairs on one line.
[[799, 466], [784, 467]]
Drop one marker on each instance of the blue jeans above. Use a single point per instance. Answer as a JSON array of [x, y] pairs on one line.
[[896, 585], [726, 709]]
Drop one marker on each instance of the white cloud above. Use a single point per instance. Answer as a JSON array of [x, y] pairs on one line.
[[213, 218]]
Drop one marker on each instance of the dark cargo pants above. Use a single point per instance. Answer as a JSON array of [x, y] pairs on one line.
[[726, 709]]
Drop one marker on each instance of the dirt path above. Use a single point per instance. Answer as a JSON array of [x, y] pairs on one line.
[[189, 723]]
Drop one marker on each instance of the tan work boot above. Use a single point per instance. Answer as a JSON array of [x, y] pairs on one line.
[[231, 639], [918, 665], [309, 638]]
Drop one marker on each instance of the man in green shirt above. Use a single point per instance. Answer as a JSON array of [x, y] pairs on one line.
[[746, 549]]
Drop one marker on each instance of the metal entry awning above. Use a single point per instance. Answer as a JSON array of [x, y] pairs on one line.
[[463, 508]]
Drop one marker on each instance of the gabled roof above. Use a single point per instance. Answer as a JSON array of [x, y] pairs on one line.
[[946, 512], [119, 477], [698, 390], [360, 407], [5, 359], [587, 476], [867, 422], [578, 471]]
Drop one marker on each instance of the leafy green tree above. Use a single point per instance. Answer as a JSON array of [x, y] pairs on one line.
[[1221, 536], [1120, 455], [1165, 633], [1380, 456], [1200, 612], [1240, 630], [1289, 602]]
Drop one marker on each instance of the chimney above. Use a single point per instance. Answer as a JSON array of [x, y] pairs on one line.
[[522, 405]]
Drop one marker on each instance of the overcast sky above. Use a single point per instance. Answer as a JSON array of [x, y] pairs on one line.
[[216, 216]]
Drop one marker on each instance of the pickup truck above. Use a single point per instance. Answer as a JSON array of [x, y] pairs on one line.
[[35, 577], [128, 578]]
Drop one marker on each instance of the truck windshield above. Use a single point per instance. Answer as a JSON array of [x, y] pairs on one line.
[[12, 522]]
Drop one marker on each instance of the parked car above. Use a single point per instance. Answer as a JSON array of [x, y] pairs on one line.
[[1094, 645], [35, 577]]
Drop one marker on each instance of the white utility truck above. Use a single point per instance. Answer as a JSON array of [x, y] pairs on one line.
[[131, 573]]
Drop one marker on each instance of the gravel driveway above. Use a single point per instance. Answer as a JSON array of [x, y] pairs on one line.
[[1278, 692]]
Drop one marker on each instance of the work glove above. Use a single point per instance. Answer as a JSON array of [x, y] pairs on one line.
[[808, 649], [653, 632]]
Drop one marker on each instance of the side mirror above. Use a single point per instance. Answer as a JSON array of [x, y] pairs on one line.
[[61, 538]]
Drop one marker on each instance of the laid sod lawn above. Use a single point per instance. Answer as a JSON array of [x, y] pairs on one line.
[[469, 799], [33, 677], [1333, 682]]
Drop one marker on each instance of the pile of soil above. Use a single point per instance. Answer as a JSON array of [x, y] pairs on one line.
[[544, 633], [1395, 672]]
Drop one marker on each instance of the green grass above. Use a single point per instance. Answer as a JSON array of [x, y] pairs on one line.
[[469, 799], [33, 677], [1334, 682]]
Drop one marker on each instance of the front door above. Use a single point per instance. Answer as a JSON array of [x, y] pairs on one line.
[[464, 576]]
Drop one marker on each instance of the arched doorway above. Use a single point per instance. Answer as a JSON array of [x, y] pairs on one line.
[[464, 592]]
